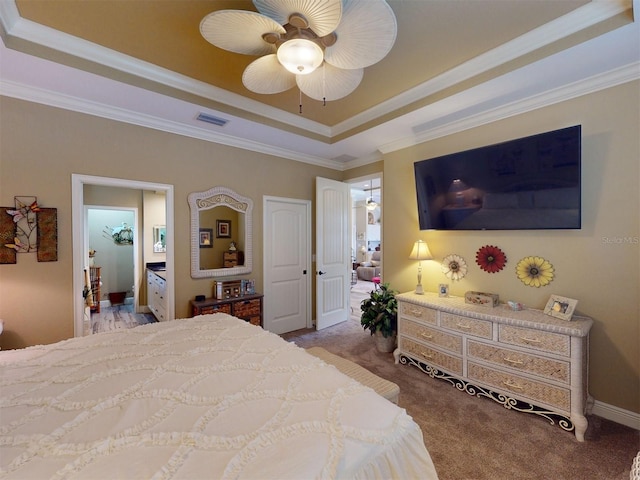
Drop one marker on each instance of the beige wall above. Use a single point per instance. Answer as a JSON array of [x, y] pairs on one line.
[[598, 265], [40, 147]]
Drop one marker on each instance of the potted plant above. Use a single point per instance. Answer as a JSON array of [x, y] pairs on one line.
[[380, 317]]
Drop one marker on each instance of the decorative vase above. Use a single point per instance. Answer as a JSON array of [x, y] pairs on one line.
[[385, 344]]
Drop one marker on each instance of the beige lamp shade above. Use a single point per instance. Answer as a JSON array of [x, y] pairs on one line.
[[420, 251]]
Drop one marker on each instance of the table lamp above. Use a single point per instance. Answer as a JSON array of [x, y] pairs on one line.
[[420, 252]]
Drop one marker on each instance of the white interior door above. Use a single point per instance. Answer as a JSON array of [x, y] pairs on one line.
[[333, 259], [287, 264]]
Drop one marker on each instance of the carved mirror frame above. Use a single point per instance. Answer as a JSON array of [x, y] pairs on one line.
[[212, 198]]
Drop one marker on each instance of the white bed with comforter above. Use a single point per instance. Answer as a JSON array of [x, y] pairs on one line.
[[209, 397]]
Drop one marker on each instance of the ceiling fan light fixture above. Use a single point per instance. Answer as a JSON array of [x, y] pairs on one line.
[[300, 56], [295, 37]]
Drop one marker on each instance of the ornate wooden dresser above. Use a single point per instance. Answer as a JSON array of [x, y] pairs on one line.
[[525, 360]]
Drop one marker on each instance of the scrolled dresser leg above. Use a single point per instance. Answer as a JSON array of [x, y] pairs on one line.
[[396, 355], [580, 424]]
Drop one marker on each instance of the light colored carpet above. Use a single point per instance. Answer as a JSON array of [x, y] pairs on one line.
[[473, 438]]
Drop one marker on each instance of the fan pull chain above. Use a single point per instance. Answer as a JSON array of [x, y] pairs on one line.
[[300, 92], [324, 86]]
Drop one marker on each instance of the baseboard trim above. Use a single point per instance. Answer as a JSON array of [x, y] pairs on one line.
[[615, 414], [107, 303]]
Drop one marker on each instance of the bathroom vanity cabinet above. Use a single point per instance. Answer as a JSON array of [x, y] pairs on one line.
[[157, 294]]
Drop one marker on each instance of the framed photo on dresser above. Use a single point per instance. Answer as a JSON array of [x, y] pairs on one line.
[[560, 307]]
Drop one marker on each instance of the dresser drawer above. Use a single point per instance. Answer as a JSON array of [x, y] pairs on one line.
[[161, 283], [469, 326], [521, 387], [424, 333], [246, 308], [536, 339], [159, 312], [417, 312], [543, 367], [449, 363], [208, 309]]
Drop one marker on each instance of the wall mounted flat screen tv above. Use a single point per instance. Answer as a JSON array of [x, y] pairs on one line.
[[531, 183]]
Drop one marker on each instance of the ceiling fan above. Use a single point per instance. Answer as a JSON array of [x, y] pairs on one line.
[[322, 46]]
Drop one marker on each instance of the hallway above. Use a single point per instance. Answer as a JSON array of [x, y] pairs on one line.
[[115, 318]]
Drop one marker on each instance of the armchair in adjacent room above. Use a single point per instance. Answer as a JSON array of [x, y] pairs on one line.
[[368, 270]]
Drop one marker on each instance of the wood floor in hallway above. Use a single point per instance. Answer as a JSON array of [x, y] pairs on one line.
[[118, 317]]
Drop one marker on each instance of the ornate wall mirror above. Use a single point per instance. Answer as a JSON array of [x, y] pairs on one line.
[[221, 239]]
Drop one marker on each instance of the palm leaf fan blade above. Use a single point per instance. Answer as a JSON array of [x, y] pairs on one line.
[[329, 83], [266, 76], [239, 31], [365, 35]]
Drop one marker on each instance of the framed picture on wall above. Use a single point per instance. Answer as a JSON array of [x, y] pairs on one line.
[[206, 238], [223, 228]]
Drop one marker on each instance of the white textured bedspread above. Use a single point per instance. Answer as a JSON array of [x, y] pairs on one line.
[[210, 397]]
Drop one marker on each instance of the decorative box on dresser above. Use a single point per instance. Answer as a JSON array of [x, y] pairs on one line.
[[246, 307], [157, 294], [525, 360], [232, 258]]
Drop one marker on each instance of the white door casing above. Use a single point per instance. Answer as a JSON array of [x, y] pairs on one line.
[[333, 259], [287, 264], [80, 253]]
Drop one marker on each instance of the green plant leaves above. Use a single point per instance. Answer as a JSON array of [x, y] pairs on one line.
[[380, 311]]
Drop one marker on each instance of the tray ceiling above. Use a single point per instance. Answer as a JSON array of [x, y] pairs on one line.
[[443, 48]]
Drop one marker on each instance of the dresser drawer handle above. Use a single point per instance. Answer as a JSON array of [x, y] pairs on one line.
[[464, 327], [426, 355], [426, 335], [513, 385], [512, 361], [416, 312], [530, 340]]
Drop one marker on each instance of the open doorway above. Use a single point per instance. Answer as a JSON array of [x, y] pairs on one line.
[[81, 248], [366, 236]]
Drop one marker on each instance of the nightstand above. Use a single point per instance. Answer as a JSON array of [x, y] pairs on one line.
[[246, 307]]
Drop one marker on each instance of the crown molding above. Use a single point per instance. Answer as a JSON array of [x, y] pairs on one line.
[[67, 102], [593, 84], [562, 27], [42, 35], [627, 73], [416, 130], [575, 21]]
